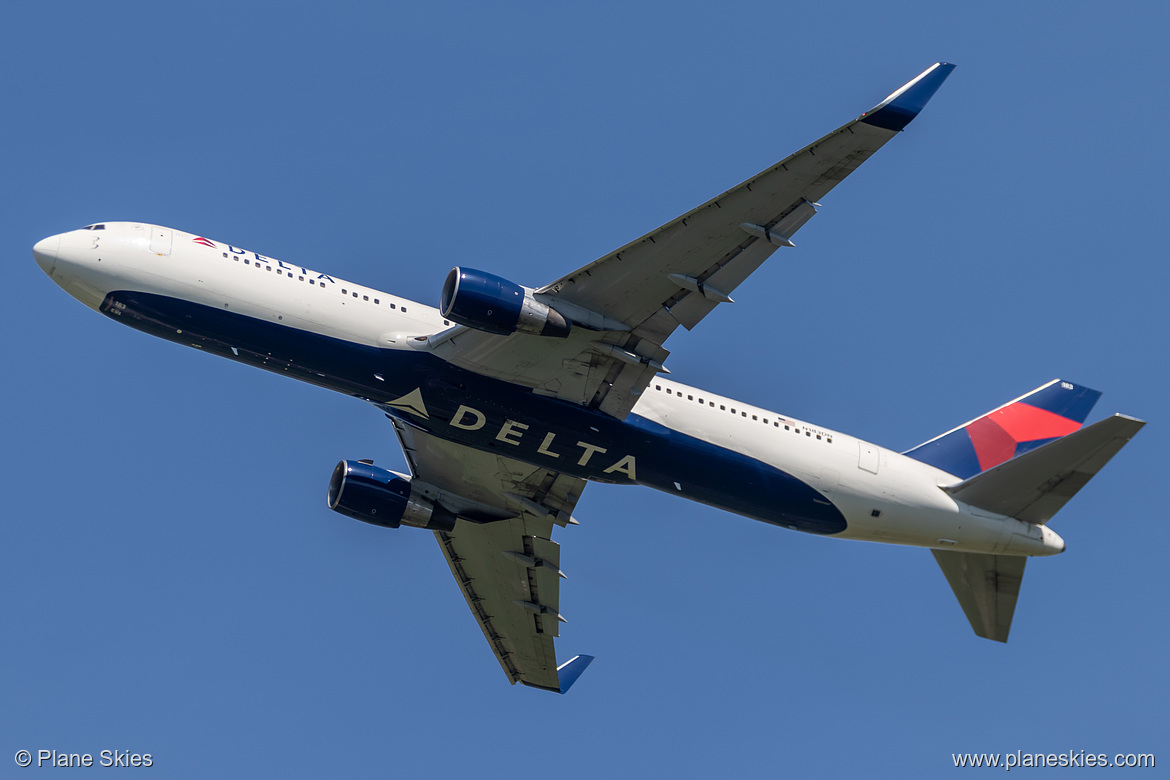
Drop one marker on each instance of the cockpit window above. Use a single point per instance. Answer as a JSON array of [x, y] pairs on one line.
[[94, 227]]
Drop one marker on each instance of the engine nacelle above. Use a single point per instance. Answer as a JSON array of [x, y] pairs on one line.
[[380, 497], [489, 303]]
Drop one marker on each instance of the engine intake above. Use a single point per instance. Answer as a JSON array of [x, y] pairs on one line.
[[492, 304], [380, 497]]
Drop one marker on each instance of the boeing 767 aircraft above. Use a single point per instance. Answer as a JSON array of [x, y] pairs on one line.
[[509, 399]]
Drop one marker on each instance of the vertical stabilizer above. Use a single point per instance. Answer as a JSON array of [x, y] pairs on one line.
[[1033, 420]]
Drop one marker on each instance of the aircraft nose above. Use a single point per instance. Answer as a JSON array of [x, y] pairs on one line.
[[45, 251]]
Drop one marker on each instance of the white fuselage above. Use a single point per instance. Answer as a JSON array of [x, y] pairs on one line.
[[883, 495]]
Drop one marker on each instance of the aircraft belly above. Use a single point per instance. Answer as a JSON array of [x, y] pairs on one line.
[[322, 360], [730, 480], [492, 415]]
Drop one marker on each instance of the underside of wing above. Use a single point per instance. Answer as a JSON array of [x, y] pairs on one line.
[[626, 304], [508, 572], [680, 272], [500, 550], [589, 368]]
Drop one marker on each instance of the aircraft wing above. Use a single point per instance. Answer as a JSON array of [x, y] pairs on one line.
[[631, 300], [506, 564]]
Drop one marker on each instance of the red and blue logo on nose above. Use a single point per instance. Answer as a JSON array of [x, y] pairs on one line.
[[1054, 410]]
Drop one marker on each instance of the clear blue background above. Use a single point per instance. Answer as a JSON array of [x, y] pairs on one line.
[[173, 583]]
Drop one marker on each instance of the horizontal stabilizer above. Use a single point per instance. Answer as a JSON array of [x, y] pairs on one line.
[[986, 586], [1034, 486]]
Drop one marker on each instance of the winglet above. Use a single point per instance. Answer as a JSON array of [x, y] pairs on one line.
[[570, 670], [896, 111]]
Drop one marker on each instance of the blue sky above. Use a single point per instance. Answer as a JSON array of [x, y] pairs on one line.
[[173, 582]]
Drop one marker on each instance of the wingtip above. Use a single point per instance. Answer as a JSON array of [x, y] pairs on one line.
[[896, 111], [571, 670]]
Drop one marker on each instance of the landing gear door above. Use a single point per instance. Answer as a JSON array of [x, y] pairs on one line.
[[160, 240]]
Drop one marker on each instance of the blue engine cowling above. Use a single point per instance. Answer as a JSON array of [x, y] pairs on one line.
[[380, 497], [492, 304]]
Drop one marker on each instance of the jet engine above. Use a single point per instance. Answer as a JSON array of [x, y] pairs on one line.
[[489, 303], [365, 492]]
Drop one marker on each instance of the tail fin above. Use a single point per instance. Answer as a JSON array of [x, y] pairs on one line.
[[1047, 413], [1032, 488]]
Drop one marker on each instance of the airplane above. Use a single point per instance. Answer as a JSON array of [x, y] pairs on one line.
[[508, 400]]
